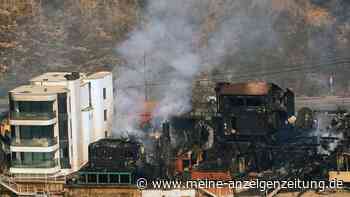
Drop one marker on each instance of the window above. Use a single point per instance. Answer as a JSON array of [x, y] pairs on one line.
[[104, 93], [114, 178], [62, 103], [36, 158], [92, 178], [233, 101], [35, 106], [105, 114], [237, 101], [65, 152], [106, 134], [124, 178], [234, 122], [255, 101], [13, 156], [82, 178], [30, 132], [103, 178]]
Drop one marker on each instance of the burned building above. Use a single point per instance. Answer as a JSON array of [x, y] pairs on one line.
[[111, 162], [252, 108], [114, 153], [247, 116], [244, 124]]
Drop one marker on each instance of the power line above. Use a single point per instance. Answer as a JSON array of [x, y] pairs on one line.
[[294, 68], [272, 66], [300, 68]]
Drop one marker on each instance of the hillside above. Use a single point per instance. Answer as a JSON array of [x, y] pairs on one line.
[[273, 35], [41, 35]]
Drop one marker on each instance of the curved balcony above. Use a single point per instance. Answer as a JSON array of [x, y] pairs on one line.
[[34, 142], [35, 167], [34, 164], [34, 145], [33, 118]]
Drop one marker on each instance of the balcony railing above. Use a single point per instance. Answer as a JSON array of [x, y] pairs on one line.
[[34, 164], [32, 115], [34, 142]]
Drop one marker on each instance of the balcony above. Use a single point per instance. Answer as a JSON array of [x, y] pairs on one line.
[[34, 145], [32, 115], [35, 142], [34, 164], [34, 167], [32, 118]]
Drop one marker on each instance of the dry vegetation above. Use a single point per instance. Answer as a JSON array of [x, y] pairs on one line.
[[41, 35]]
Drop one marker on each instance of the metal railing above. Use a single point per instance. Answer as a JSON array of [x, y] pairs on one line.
[[34, 142], [57, 178], [34, 164], [9, 182], [32, 115]]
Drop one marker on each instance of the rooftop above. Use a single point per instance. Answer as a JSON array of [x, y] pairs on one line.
[[60, 76], [38, 90], [53, 76], [99, 75], [46, 89], [249, 88], [114, 142]]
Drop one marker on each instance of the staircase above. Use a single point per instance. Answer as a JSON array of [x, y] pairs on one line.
[[9, 184]]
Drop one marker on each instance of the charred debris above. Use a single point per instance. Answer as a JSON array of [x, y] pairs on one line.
[[252, 130]]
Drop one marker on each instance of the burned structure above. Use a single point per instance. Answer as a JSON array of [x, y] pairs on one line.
[[111, 170], [252, 109], [252, 129], [246, 118], [111, 162], [340, 125]]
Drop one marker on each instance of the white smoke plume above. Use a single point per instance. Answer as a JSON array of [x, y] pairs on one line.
[[166, 51]]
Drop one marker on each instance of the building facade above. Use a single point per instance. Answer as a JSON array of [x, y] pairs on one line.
[[55, 118]]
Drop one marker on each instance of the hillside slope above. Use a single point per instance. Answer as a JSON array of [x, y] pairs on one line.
[[41, 35]]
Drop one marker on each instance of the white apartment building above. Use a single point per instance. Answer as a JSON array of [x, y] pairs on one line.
[[55, 118]]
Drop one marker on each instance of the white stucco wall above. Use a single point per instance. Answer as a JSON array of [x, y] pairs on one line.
[[99, 104], [76, 144], [87, 129], [84, 96]]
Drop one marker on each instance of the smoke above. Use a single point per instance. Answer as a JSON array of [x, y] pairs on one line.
[[323, 129], [176, 41]]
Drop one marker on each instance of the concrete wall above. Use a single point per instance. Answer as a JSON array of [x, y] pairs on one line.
[[87, 130], [100, 104], [84, 96], [75, 143]]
